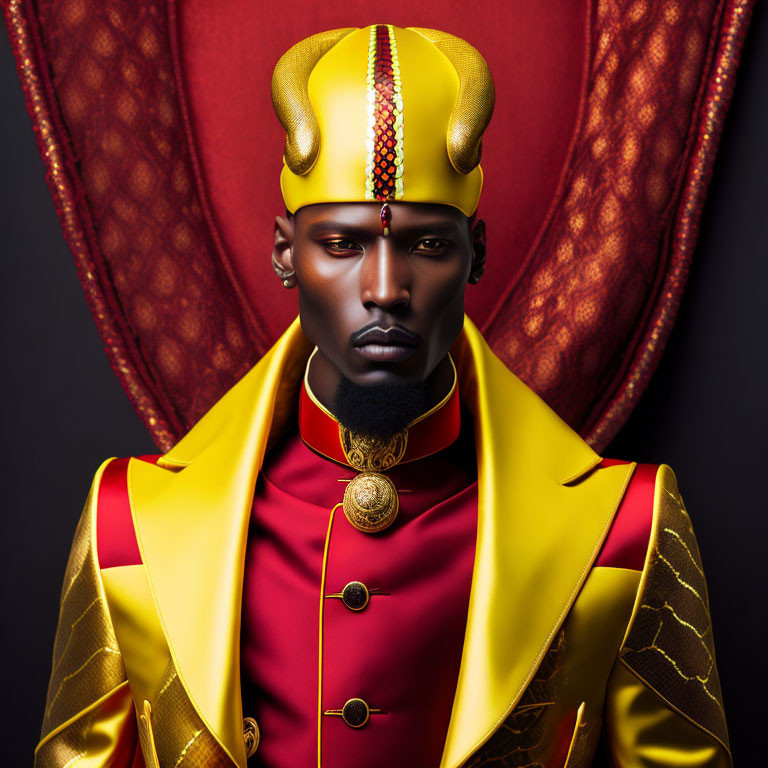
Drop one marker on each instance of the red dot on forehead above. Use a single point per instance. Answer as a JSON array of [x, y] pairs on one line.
[[386, 215]]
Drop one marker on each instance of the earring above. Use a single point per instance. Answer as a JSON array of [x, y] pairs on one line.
[[287, 276]]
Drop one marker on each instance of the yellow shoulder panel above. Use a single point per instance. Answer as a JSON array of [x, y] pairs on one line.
[[87, 665], [669, 643]]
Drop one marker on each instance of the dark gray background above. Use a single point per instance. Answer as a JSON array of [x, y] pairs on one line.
[[705, 413]]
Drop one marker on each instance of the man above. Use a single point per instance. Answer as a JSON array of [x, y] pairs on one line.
[[380, 547]]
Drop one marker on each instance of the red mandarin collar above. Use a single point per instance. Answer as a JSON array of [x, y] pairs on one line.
[[432, 432]]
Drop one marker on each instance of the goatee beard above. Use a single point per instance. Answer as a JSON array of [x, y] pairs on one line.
[[380, 410]]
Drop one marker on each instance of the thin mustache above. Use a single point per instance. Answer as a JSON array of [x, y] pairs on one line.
[[392, 334]]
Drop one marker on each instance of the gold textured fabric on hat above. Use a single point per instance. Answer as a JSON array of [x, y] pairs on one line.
[[382, 113]]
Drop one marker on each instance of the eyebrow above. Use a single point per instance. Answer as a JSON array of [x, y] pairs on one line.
[[329, 226]]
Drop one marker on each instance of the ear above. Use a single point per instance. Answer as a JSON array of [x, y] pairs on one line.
[[282, 251], [478, 252]]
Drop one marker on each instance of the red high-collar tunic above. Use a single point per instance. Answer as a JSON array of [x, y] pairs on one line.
[[401, 652]]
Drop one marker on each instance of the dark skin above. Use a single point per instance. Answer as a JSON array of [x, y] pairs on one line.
[[404, 290]]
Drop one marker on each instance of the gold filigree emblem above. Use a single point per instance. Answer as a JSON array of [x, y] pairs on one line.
[[251, 736], [368, 453]]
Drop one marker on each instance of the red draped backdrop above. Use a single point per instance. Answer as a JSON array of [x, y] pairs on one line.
[[163, 154]]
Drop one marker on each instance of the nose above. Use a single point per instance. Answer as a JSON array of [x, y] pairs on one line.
[[386, 276]]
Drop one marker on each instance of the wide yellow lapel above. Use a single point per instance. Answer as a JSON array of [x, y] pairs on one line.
[[539, 529], [191, 514]]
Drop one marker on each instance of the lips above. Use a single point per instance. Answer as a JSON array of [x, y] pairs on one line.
[[380, 344]]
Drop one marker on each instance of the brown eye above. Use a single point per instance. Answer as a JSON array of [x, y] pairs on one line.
[[430, 245], [342, 246]]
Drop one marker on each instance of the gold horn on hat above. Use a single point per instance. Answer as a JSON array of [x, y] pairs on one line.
[[474, 105], [290, 97]]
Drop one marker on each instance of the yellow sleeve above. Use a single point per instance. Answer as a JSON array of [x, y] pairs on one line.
[[664, 706], [89, 715]]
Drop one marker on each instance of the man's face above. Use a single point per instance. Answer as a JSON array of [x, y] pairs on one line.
[[382, 309]]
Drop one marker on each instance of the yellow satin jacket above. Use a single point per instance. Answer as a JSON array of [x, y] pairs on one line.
[[148, 654]]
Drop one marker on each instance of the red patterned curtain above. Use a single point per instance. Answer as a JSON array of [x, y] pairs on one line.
[[163, 154]]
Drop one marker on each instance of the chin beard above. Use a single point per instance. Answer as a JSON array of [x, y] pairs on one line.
[[380, 410]]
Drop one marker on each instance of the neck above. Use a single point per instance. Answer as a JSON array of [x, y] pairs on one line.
[[323, 378]]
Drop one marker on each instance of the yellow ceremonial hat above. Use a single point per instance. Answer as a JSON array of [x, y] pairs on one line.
[[382, 113]]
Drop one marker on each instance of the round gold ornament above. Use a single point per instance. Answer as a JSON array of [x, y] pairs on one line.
[[371, 502]]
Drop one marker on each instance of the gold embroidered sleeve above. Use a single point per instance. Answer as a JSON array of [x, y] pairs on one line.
[[664, 700], [89, 715]]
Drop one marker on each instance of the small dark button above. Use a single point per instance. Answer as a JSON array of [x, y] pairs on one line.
[[355, 596], [355, 713]]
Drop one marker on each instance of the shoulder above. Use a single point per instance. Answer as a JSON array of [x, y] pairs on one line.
[[115, 536], [651, 508], [627, 542]]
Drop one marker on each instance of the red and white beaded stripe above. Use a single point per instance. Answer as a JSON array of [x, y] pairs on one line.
[[384, 141]]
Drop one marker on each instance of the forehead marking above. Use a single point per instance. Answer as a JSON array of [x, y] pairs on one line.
[[386, 218]]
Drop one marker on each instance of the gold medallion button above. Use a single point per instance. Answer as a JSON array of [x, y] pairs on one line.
[[355, 713], [251, 736], [355, 595], [371, 502]]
